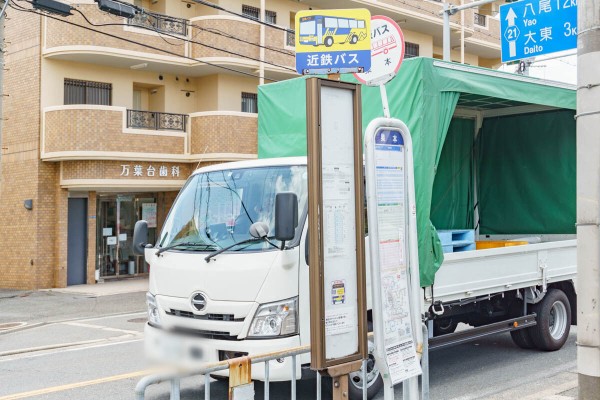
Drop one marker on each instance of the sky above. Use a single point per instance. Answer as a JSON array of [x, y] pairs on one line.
[[562, 69]]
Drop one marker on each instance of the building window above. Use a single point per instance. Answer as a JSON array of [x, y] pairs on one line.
[[479, 19], [254, 13], [411, 50], [249, 103], [87, 92]]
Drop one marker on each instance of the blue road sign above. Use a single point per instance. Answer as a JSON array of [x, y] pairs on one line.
[[532, 28]]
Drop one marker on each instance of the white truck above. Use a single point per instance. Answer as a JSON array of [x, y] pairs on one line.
[[223, 279]]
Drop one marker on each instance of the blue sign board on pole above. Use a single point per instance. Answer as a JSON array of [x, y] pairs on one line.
[[532, 28]]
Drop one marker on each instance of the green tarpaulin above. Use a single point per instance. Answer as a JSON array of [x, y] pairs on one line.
[[424, 95], [527, 174]]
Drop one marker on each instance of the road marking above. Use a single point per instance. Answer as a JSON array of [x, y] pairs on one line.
[[104, 328], [76, 385], [65, 350]]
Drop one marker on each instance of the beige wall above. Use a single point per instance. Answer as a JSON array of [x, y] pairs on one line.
[[470, 59], [425, 42], [230, 91], [169, 98], [208, 86]]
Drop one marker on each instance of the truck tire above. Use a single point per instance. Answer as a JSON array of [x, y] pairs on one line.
[[522, 338], [374, 380], [553, 321]]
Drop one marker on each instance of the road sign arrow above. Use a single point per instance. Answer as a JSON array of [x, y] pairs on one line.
[[510, 17]]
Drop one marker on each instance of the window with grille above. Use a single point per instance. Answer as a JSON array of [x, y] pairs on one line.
[[249, 102], [87, 92], [411, 50], [479, 19], [254, 13]]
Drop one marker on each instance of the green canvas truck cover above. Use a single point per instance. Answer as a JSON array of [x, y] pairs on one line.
[[524, 161]]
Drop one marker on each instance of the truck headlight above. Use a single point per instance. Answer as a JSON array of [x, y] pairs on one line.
[[153, 314], [275, 319]]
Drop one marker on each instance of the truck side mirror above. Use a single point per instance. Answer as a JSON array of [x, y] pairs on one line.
[[306, 248], [286, 215], [140, 237]]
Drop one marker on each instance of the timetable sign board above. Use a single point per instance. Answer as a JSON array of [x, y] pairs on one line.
[[532, 28]]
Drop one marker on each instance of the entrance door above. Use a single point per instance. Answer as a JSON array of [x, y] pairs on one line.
[[117, 215], [77, 242]]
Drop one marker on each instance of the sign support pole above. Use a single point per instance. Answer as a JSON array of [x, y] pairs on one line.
[[384, 100]]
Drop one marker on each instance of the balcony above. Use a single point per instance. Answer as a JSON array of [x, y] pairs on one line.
[[160, 23], [158, 121], [92, 132], [71, 42], [234, 38], [224, 135], [89, 132]]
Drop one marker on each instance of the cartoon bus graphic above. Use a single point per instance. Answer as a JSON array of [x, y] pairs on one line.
[[383, 46], [325, 30]]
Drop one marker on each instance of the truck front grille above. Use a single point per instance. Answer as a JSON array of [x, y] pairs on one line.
[[206, 334], [206, 317]]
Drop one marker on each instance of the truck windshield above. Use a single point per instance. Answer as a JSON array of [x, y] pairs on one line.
[[217, 208]]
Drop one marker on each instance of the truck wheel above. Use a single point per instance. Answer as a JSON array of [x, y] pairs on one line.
[[444, 326], [553, 321], [374, 380], [522, 338]]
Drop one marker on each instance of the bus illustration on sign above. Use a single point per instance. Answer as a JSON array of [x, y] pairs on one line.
[[383, 46], [319, 30], [333, 41]]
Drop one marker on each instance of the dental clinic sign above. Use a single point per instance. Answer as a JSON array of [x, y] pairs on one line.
[[532, 28]]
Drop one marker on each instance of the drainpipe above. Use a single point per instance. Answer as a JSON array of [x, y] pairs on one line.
[[588, 199], [261, 69]]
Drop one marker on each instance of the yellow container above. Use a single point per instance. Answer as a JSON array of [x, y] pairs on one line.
[[492, 244]]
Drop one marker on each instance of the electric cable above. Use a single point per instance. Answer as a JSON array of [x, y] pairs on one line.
[[217, 7], [182, 39], [17, 7]]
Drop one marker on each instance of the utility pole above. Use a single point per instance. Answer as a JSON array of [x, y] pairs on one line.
[[588, 199], [449, 10]]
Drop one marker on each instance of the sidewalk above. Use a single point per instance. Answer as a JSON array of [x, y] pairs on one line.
[[106, 288]]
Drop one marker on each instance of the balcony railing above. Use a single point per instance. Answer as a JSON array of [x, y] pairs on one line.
[[160, 23], [479, 19], [157, 121], [290, 39]]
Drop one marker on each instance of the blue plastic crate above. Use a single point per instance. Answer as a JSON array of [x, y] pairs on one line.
[[457, 240]]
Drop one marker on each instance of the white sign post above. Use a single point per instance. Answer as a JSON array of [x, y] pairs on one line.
[[394, 253], [392, 224]]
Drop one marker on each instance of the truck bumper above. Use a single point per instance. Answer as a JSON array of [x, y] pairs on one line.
[[192, 352]]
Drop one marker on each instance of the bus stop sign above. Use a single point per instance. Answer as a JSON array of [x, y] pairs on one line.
[[333, 41]]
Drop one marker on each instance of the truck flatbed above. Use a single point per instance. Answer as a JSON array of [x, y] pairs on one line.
[[473, 274]]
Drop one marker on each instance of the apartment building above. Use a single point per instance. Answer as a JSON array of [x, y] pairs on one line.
[[104, 117]]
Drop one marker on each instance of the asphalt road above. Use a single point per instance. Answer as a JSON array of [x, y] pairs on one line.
[[102, 358]]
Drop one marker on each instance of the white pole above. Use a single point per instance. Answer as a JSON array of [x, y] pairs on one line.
[[446, 36], [384, 101], [588, 199]]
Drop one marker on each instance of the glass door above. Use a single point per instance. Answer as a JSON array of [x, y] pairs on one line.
[[127, 218], [106, 240], [117, 216]]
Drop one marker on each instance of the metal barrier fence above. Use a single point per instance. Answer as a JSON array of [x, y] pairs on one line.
[[174, 377]]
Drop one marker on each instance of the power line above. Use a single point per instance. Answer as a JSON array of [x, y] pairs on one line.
[[217, 7], [17, 7], [227, 35], [183, 39]]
